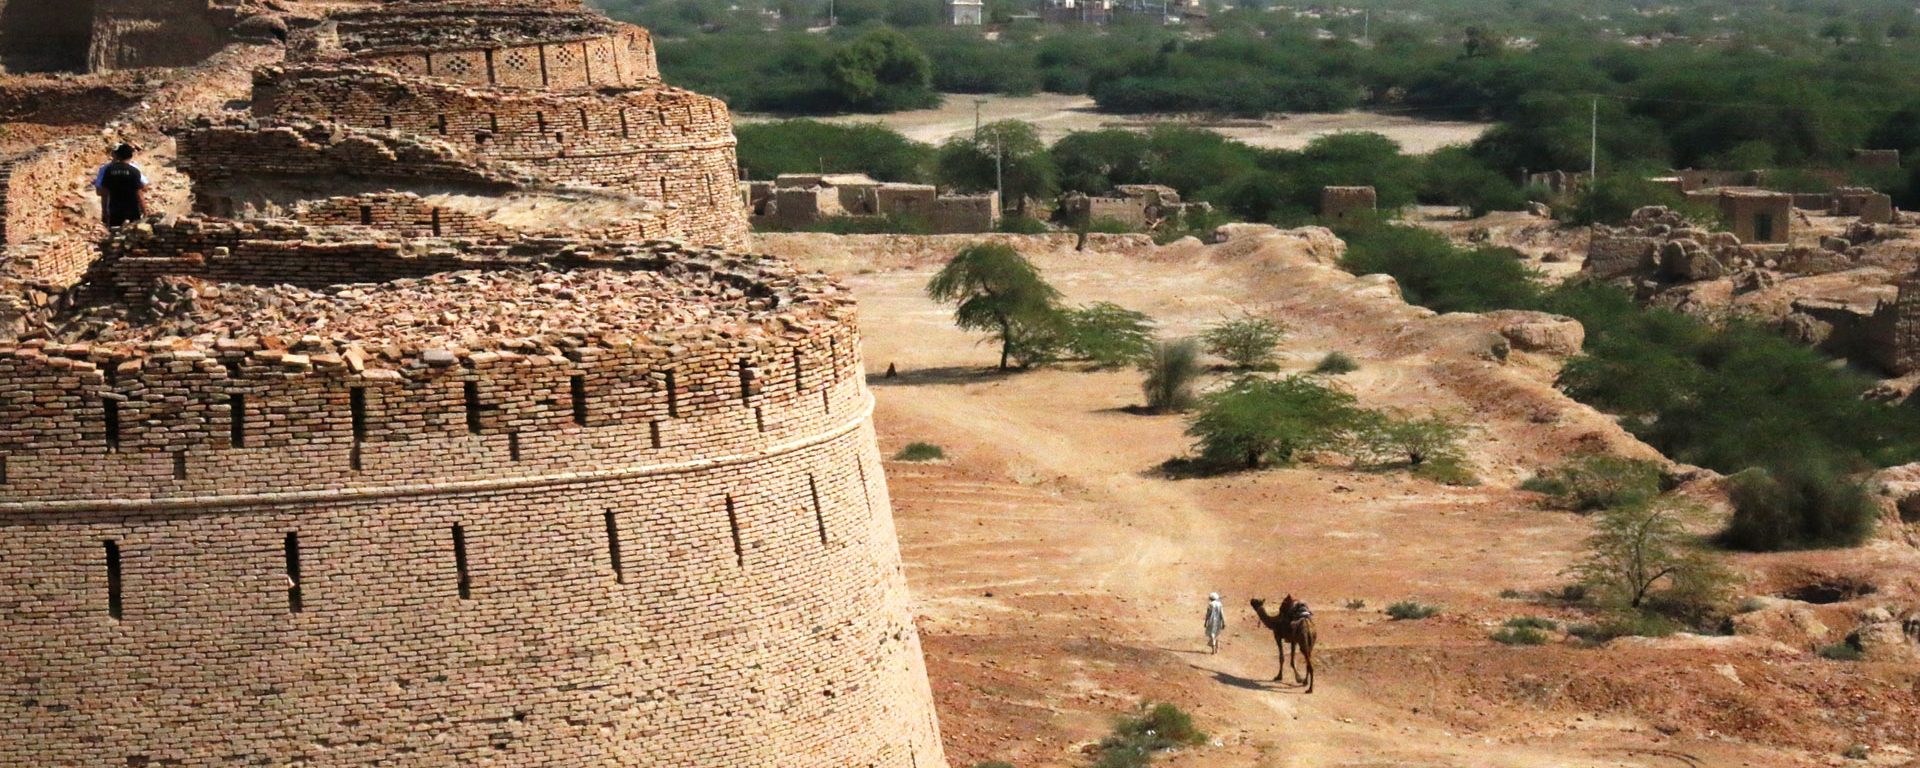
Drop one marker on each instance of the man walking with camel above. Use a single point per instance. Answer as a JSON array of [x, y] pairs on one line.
[[1294, 624]]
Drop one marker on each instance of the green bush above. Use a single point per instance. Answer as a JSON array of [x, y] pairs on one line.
[[1434, 273], [1022, 225], [920, 452], [1531, 622], [1629, 624], [1153, 729], [1447, 470], [808, 146], [1796, 506], [1246, 342], [1408, 610], [1108, 335], [1519, 636], [1336, 364], [1842, 651], [1109, 226], [1598, 481], [1254, 420], [1171, 368], [1386, 438]]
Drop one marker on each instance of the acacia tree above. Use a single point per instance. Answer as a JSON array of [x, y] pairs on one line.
[[967, 164], [1642, 553], [997, 290], [1247, 342]]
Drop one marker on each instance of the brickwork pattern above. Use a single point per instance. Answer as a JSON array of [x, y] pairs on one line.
[[665, 143], [665, 546], [1895, 330]]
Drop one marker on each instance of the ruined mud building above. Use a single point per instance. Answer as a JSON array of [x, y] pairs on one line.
[[1658, 249], [798, 200], [436, 421]]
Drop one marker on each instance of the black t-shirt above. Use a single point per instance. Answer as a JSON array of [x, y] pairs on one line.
[[122, 182]]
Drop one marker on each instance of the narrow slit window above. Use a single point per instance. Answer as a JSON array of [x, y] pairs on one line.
[[111, 409], [819, 515], [653, 434], [540, 121], [613, 549], [179, 465], [366, 214], [3, 463], [833, 353], [513, 446], [746, 380], [759, 419], [826, 400], [472, 390], [493, 122], [584, 125], [440, 124], [799, 373], [113, 578], [460, 562], [434, 222], [673, 395], [237, 420], [733, 523], [296, 602], [386, 121], [625, 132], [357, 403], [579, 387], [866, 492]]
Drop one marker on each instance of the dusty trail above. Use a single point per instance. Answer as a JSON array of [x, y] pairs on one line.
[[1061, 579]]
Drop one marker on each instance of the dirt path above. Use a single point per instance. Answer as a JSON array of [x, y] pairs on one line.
[[1061, 579], [1056, 115]]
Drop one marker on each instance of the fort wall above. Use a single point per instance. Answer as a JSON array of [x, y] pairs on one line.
[[576, 549]]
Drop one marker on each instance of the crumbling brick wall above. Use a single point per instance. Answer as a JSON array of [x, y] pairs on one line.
[[965, 213], [691, 515], [1342, 203], [674, 145], [1894, 330]]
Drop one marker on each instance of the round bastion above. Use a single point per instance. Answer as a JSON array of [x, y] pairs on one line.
[[283, 494]]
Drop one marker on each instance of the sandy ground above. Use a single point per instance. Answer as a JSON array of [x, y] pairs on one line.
[[1056, 115], [1060, 579]]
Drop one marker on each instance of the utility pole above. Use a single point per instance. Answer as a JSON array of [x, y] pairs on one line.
[[830, 21], [1366, 26], [1593, 148], [976, 117], [999, 180]]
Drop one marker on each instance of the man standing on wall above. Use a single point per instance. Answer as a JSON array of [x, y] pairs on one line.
[[120, 184]]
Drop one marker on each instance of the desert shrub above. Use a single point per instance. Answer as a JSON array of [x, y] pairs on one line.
[[1022, 225], [1641, 562], [805, 146], [1109, 226], [920, 452], [1857, 752], [1153, 729], [1531, 622], [890, 224], [1245, 342], [995, 289], [1108, 334], [1842, 651], [1799, 505], [1511, 594], [1254, 420], [1408, 610], [1624, 625], [1597, 481], [1386, 437], [1447, 470], [1336, 364], [1519, 636], [1171, 368], [1355, 605]]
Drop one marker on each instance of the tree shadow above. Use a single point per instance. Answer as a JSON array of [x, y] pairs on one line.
[[942, 376]]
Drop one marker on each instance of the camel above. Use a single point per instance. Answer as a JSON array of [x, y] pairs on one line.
[[1289, 629]]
